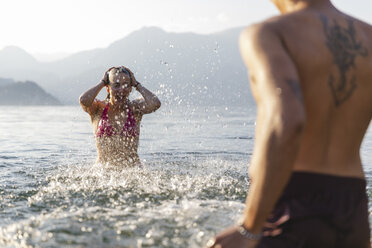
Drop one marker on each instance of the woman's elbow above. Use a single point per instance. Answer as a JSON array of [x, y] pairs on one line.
[[157, 103], [83, 101]]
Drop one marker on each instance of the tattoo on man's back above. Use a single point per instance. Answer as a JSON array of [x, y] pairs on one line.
[[343, 45], [296, 88]]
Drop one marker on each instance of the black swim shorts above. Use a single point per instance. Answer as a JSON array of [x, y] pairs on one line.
[[325, 212]]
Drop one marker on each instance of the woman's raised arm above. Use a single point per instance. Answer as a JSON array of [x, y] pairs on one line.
[[150, 102], [87, 98]]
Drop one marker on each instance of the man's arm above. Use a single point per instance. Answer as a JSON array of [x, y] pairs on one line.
[[280, 120]]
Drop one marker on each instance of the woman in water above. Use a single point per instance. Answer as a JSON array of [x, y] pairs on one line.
[[116, 121]]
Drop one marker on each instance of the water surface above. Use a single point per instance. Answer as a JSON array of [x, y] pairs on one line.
[[193, 183]]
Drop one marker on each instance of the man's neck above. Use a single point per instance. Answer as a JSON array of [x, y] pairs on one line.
[[291, 6]]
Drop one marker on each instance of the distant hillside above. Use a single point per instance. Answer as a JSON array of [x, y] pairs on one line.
[[24, 93], [182, 68], [6, 81]]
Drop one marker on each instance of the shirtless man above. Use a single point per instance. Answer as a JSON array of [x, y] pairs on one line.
[[311, 75]]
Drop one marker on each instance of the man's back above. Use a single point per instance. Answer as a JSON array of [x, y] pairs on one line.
[[332, 53]]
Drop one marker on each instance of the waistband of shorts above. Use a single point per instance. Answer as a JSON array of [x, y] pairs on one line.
[[301, 182]]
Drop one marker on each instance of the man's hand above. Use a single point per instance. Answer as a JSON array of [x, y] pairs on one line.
[[274, 228], [231, 238]]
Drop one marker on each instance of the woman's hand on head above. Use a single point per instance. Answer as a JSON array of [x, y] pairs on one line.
[[105, 78], [133, 81]]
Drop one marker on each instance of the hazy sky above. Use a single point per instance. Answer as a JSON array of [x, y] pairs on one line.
[[68, 26]]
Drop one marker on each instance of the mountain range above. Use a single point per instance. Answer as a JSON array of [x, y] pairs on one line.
[[182, 68], [24, 93]]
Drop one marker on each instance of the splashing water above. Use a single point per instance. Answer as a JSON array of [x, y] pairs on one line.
[[193, 183], [168, 203]]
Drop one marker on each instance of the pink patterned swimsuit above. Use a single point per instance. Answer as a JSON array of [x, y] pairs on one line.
[[106, 129]]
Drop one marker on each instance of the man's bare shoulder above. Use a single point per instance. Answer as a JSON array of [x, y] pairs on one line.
[[258, 33], [363, 29], [261, 28], [269, 28], [356, 20], [366, 27], [259, 38]]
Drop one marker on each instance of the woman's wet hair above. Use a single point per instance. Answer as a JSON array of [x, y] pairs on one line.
[[120, 69]]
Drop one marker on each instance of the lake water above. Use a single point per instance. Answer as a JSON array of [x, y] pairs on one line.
[[193, 183]]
